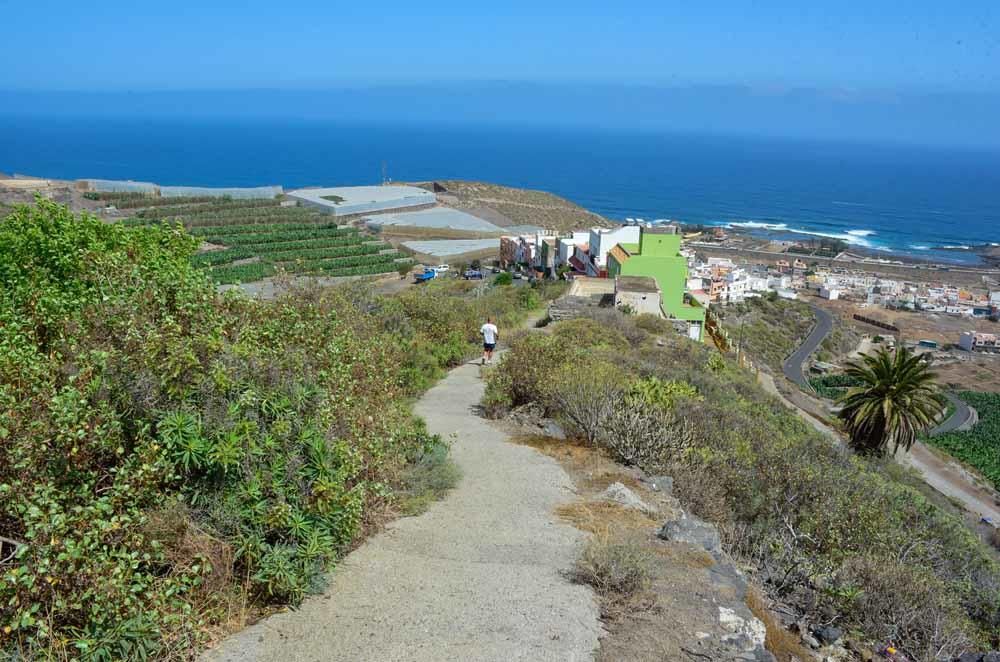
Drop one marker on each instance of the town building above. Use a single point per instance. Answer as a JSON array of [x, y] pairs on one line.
[[973, 341], [640, 294], [657, 255], [567, 247], [594, 259]]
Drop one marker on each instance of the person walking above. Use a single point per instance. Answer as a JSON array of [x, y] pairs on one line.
[[490, 335]]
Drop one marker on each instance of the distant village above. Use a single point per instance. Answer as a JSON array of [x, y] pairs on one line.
[[651, 270]]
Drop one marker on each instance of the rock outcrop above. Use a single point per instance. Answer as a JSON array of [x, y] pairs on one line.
[[692, 531], [736, 634]]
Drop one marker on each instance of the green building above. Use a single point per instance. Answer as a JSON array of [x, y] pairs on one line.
[[658, 256]]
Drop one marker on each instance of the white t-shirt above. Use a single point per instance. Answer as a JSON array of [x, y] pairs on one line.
[[489, 332]]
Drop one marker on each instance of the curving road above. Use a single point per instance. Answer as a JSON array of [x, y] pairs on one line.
[[945, 476], [792, 367], [960, 418]]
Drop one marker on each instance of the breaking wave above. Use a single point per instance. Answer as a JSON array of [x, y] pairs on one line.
[[757, 225], [852, 237]]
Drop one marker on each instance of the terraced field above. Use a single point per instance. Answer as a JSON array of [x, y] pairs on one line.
[[248, 240]]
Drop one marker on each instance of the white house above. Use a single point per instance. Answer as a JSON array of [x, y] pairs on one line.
[[973, 341], [779, 282], [603, 240], [567, 246], [831, 293], [737, 286]]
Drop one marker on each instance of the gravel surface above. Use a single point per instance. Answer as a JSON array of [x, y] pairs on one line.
[[478, 577]]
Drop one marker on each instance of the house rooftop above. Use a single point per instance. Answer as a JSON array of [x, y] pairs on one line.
[[637, 284]]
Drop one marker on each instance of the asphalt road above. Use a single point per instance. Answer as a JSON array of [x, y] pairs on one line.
[[792, 367], [959, 418], [945, 476]]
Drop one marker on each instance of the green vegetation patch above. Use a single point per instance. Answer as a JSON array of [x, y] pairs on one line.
[[426, 479], [980, 446], [770, 328], [833, 387], [172, 457], [832, 532], [271, 238], [335, 199]]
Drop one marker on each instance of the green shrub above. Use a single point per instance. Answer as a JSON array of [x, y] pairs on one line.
[[503, 278], [833, 387], [583, 393], [427, 478], [584, 334], [525, 372], [614, 568], [165, 449]]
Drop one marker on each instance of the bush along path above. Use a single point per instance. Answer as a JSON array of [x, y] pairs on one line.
[[477, 577]]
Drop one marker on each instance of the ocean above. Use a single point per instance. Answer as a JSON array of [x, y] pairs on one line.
[[891, 198]]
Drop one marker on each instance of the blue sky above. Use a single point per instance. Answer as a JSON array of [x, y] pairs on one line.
[[115, 45], [920, 71]]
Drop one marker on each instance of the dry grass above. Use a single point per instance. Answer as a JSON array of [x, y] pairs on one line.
[[591, 467], [784, 645], [185, 545], [604, 518], [523, 206], [685, 556]]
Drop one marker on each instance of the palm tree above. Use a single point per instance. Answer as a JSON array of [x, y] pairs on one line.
[[897, 398]]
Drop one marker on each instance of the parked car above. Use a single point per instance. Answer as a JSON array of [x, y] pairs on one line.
[[473, 274], [517, 275], [442, 268]]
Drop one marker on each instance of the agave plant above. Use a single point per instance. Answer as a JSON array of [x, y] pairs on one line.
[[896, 400]]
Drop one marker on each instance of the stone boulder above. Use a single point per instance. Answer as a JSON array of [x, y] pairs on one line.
[[532, 417], [623, 496], [692, 531], [828, 634]]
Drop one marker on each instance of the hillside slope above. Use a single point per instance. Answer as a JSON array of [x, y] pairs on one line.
[[507, 206]]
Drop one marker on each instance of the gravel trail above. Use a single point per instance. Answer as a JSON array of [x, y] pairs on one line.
[[476, 578]]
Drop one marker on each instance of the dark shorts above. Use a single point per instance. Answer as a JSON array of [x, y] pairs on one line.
[[489, 346]]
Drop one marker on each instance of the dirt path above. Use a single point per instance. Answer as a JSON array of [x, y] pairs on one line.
[[951, 480], [477, 577]]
